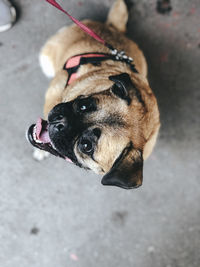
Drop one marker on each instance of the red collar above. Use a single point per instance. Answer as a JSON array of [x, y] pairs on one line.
[[72, 65], [115, 54]]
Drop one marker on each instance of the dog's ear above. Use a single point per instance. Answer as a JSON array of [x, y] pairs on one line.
[[127, 170], [124, 88]]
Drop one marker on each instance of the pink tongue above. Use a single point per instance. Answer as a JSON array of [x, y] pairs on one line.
[[41, 131], [38, 128], [44, 137]]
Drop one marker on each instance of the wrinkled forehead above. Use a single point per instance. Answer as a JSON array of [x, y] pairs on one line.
[[110, 112], [86, 86], [96, 86]]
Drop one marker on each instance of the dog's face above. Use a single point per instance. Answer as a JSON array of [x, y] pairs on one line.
[[103, 131]]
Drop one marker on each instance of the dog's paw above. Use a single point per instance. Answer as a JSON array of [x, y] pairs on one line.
[[46, 66], [40, 155]]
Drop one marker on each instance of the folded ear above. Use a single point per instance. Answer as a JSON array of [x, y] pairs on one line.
[[127, 170], [122, 85], [124, 88]]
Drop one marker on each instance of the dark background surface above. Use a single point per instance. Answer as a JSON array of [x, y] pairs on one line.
[[55, 214]]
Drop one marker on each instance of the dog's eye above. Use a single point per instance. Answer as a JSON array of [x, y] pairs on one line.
[[86, 146], [86, 105], [83, 107], [119, 90]]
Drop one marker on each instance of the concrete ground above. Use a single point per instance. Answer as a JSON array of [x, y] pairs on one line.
[[53, 214]]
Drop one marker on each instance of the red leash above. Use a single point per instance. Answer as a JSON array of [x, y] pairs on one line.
[[80, 24], [119, 55]]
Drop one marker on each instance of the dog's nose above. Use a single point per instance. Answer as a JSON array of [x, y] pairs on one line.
[[59, 127], [57, 113], [57, 118], [59, 123]]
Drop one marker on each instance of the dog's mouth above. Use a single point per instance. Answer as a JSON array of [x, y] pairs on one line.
[[38, 136]]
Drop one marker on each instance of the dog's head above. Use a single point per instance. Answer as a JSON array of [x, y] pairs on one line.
[[105, 131]]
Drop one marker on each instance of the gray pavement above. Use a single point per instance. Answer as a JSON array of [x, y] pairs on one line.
[[53, 214]]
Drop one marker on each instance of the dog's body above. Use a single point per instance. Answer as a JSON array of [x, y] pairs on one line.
[[122, 121]]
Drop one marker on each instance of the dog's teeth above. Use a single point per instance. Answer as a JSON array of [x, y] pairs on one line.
[[35, 136], [34, 129], [38, 141]]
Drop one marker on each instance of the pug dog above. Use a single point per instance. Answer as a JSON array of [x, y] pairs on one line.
[[100, 112]]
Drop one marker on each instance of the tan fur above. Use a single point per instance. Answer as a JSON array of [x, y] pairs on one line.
[[118, 16], [141, 126]]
